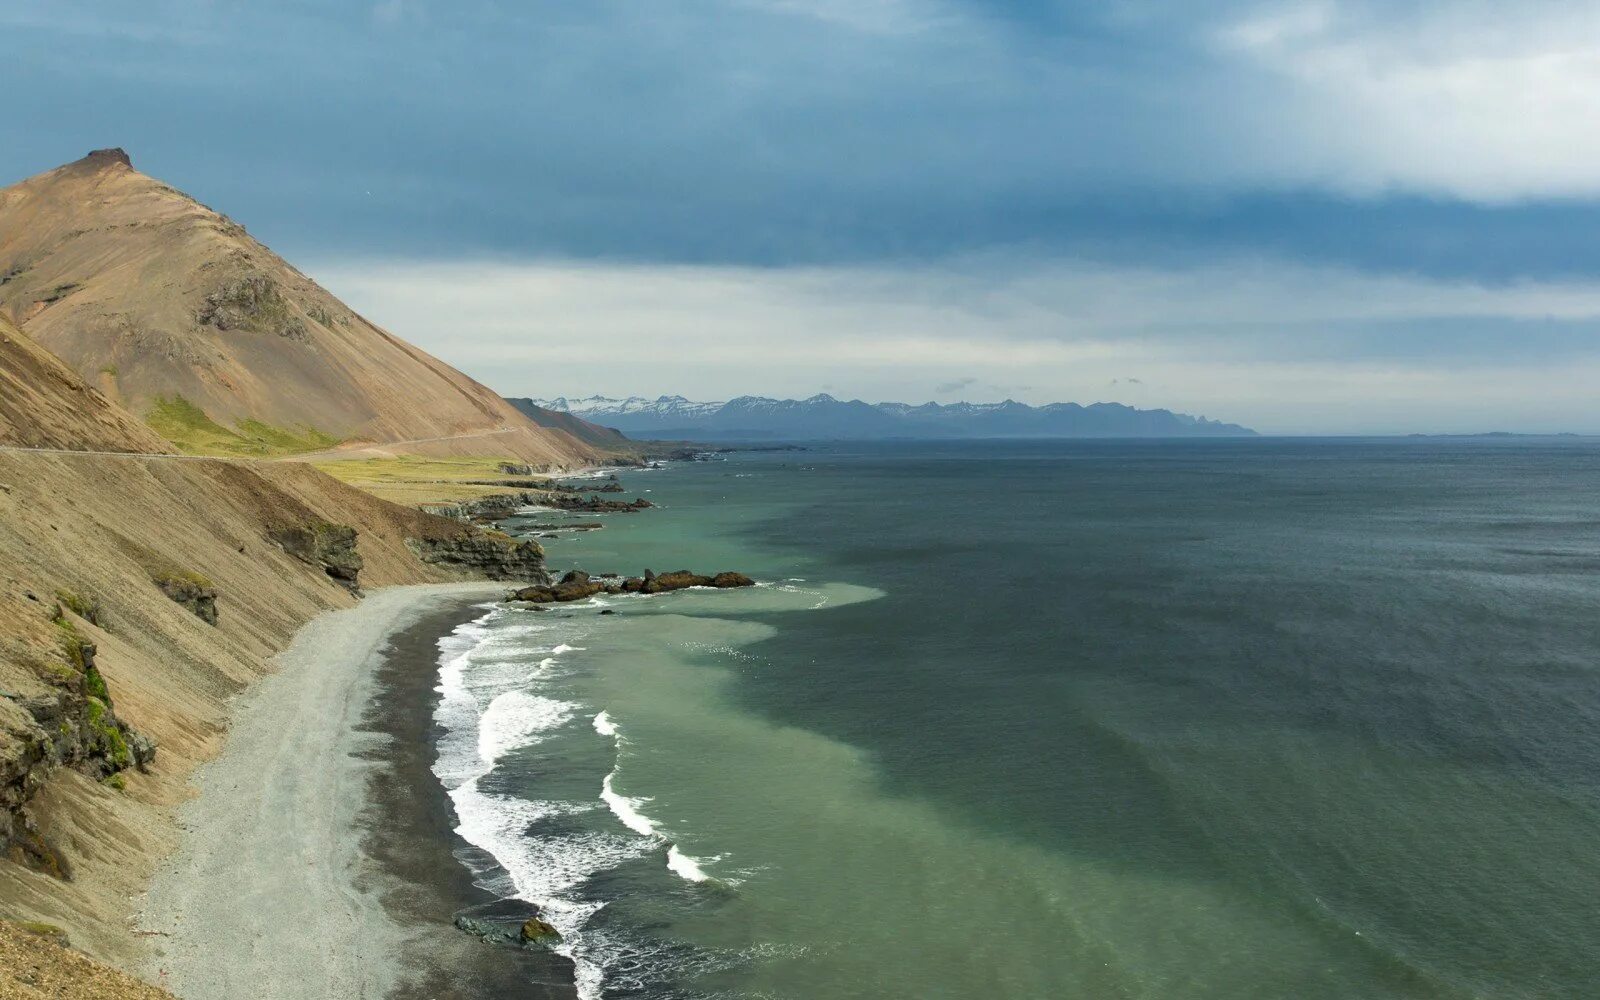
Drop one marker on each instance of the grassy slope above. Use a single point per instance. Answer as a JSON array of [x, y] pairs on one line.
[[195, 433], [412, 479]]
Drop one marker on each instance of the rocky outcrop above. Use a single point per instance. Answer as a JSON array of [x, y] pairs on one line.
[[193, 591], [487, 554], [489, 508], [503, 505], [72, 724], [578, 585], [332, 547], [253, 303], [593, 504], [535, 930]]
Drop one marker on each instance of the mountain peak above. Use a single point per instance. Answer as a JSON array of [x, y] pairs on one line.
[[99, 159]]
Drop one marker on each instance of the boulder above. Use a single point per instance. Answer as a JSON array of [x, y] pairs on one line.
[[193, 591], [537, 931]]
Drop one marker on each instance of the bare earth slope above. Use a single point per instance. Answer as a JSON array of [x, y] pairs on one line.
[[45, 404], [150, 294], [88, 547]]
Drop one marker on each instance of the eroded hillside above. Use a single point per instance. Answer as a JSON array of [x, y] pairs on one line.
[[159, 300]]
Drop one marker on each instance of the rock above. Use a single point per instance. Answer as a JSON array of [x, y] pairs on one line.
[[193, 591], [252, 303], [514, 469], [488, 930], [537, 931], [485, 555], [331, 547], [594, 504], [608, 611], [577, 585], [574, 586], [143, 749]]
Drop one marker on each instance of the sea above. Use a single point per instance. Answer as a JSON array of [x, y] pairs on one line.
[[1225, 718]]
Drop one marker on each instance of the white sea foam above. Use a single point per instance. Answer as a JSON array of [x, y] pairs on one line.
[[626, 809], [487, 710], [492, 703], [515, 719], [685, 867]]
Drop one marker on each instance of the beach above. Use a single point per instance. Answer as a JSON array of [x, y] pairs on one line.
[[316, 859]]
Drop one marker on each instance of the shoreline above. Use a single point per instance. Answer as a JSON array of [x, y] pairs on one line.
[[317, 859]]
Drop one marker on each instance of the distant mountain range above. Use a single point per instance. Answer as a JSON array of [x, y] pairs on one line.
[[756, 418]]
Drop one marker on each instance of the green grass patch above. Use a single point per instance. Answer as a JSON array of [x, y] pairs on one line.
[[193, 431], [86, 608]]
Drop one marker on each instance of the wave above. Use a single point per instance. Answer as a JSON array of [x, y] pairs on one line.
[[626, 809], [487, 711], [685, 867], [630, 813], [494, 702], [513, 719]]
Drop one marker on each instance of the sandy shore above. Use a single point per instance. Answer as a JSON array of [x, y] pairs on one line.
[[271, 893]]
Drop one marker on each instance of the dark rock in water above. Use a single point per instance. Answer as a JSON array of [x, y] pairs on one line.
[[193, 591], [574, 586], [594, 504], [577, 585], [536, 931], [608, 611], [331, 547]]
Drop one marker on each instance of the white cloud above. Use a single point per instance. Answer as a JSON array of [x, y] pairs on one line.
[[1485, 102], [1285, 348]]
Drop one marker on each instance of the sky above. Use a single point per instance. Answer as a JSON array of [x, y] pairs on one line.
[[1308, 216]]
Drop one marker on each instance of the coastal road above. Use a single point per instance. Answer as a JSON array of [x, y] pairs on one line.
[[300, 457]]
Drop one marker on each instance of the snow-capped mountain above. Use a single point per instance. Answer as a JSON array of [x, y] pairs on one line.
[[662, 407], [758, 418]]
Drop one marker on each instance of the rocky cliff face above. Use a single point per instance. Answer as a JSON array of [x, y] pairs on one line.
[[485, 554], [329, 547]]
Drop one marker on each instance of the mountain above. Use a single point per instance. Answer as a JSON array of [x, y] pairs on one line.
[[45, 404], [173, 310], [591, 434], [824, 417]]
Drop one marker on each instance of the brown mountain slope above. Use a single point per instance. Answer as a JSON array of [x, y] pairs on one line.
[[44, 404], [153, 295]]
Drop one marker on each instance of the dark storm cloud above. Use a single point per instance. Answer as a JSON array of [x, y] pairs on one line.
[[783, 131]]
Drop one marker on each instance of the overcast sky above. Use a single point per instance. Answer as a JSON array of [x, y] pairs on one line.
[[1328, 216]]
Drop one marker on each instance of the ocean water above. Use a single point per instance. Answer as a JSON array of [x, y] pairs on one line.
[[1227, 719]]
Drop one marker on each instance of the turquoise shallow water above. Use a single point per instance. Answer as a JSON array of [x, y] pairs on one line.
[[1093, 719]]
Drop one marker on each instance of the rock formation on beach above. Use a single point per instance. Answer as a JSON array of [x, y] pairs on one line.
[[578, 585]]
